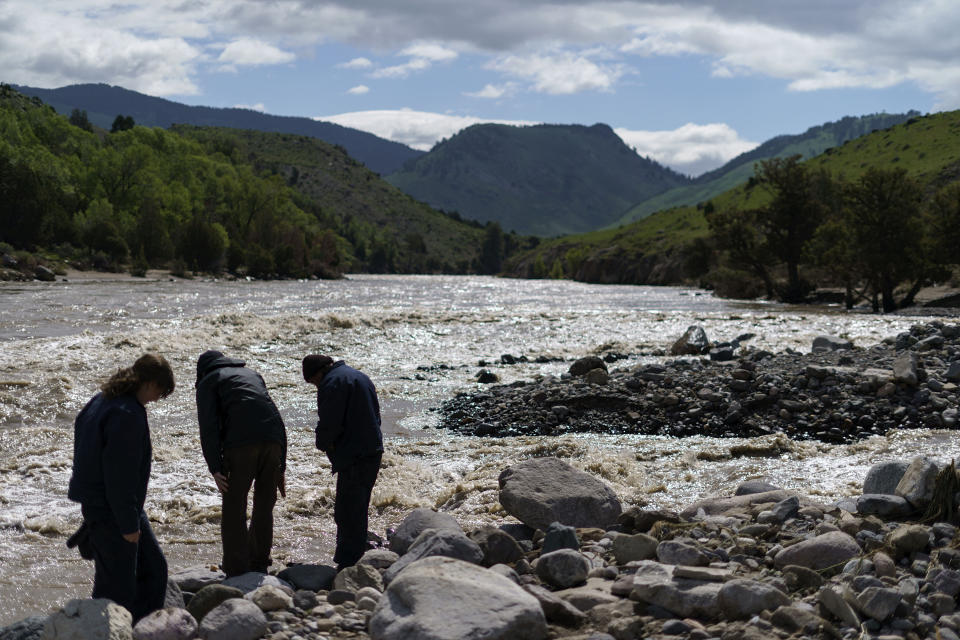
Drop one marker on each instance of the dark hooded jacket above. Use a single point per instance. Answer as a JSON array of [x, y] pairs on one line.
[[234, 409], [349, 412], [111, 459]]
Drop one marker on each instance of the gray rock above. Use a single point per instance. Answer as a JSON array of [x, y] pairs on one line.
[[498, 546], [722, 354], [743, 598], [305, 599], [556, 610], [339, 596], [918, 482], [379, 559], [544, 490], [44, 274], [798, 578], [677, 552], [560, 536], [884, 566], [749, 487], [449, 544], [946, 581], [209, 598], [683, 598], [446, 599], [640, 546], [418, 521], [30, 628], [594, 594], [786, 508], [166, 624], [507, 572], [314, 577], [833, 602], [359, 576], [883, 505], [883, 477], [234, 619], [562, 568], [596, 376], [905, 369], [823, 551], [907, 539], [830, 343], [878, 603], [720, 506], [253, 580], [271, 598], [193, 579], [98, 619], [173, 599], [953, 371], [584, 365], [693, 342]]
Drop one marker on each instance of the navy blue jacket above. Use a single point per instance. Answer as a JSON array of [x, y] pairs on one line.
[[349, 412], [234, 409], [111, 458]]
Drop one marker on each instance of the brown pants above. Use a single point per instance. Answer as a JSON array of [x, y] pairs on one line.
[[248, 549]]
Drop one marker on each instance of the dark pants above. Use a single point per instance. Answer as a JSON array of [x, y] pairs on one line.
[[248, 548], [354, 486], [132, 574]]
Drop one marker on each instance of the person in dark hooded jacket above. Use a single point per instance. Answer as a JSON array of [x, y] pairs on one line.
[[112, 456], [348, 431], [244, 443]]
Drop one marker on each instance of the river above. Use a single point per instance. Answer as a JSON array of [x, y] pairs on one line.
[[59, 340]]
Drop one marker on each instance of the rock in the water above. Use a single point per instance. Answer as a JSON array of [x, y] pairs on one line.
[[270, 598], [446, 599], [544, 490], [418, 521], [449, 544], [918, 482], [44, 274], [30, 628], [830, 343], [742, 598], [309, 576], [584, 365], [907, 539], [905, 369], [883, 477], [693, 342], [883, 506], [166, 624], [719, 506], [234, 619], [640, 546], [195, 578], [98, 619], [678, 552], [560, 536], [826, 550], [359, 576], [210, 597], [498, 546], [749, 487], [253, 580], [563, 568]]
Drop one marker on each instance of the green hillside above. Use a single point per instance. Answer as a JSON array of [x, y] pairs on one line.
[[544, 180], [666, 247], [811, 143]]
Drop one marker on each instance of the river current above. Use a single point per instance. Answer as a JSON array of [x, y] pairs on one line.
[[420, 338]]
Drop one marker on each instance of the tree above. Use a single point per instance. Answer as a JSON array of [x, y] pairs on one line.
[[945, 225], [491, 253], [122, 123], [738, 233], [78, 118]]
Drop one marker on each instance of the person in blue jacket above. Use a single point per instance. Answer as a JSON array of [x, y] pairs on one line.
[[112, 455], [244, 443], [348, 431]]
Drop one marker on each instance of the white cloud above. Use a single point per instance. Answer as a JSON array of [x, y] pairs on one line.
[[493, 91], [417, 129], [248, 52], [356, 63], [422, 56], [691, 149], [359, 90], [560, 73], [253, 107]]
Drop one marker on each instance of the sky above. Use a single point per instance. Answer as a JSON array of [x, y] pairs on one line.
[[689, 83]]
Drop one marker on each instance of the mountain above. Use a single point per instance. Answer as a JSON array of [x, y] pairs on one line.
[[808, 144], [104, 102], [544, 180], [659, 249]]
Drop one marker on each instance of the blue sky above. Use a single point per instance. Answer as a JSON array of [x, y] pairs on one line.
[[687, 82]]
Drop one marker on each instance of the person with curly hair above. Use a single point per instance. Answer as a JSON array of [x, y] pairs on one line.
[[112, 455]]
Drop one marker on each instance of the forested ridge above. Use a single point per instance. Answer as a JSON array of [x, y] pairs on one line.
[[213, 200]]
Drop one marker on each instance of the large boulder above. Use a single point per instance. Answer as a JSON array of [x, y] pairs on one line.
[[562, 568], [544, 490], [823, 551], [418, 521], [883, 477], [449, 544], [693, 342], [99, 619], [235, 619], [743, 598], [498, 546], [166, 624], [918, 481], [357, 577], [446, 599], [682, 597], [883, 506]]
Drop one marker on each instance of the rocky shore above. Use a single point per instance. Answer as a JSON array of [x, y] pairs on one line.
[[761, 563], [839, 392]]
